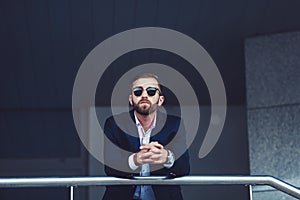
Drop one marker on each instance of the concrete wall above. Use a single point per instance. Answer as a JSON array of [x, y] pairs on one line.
[[273, 109]]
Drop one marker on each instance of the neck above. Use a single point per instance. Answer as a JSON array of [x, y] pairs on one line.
[[145, 120]]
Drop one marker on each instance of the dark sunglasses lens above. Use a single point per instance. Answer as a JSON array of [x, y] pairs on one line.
[[138, 92], [151, 91]]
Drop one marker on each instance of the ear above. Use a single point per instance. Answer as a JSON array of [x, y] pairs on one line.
[[130, 100], [161, 100]]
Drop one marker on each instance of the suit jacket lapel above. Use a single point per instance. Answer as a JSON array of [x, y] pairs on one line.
[[157, 133], [133, 129]]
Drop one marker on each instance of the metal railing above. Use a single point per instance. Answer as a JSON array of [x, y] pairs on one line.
[[157, 180]]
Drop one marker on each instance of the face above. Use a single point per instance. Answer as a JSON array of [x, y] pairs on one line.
[[143, 103]]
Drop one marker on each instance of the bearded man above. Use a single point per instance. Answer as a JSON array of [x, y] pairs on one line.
[[145, 142]]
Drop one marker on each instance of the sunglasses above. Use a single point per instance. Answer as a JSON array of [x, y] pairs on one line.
[[151, 91]]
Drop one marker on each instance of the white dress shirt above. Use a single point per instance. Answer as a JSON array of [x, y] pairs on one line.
[[145, 139]]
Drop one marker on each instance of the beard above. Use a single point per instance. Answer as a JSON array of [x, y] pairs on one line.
[[145, 109]]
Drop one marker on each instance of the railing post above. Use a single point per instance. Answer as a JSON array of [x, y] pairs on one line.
[[72, 193], [251, 192]]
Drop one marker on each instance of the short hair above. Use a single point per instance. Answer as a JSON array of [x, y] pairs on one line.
[[146, 75]]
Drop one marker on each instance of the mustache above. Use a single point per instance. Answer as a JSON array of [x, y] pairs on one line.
[[144, 101]]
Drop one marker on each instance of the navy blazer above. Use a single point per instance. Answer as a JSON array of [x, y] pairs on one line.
[[122, 140]]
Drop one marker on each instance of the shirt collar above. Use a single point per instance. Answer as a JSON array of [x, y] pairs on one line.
[[138, 123]]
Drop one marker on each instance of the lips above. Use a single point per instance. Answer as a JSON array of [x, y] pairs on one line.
[[144, 101]]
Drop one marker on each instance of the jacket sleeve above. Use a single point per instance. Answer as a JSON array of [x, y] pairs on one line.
[[115, 158], [178, 146]]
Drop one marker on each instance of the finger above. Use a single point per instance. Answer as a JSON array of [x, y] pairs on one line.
[[157, 145], [152, 161], [156, 150], [155, 162], [144, 149], [156, 157], [152, 146], [146, 146], [145, 155], [148, 161]]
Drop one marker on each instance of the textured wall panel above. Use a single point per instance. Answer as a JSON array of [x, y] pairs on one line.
[[273, 101], [274, 142], [271, 195], [273, 69]]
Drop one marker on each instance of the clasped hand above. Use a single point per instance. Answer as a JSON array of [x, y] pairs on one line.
[[152, 153]]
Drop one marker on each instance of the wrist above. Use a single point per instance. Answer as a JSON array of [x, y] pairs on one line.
[[135, 160], [131, 162], [170, 158]]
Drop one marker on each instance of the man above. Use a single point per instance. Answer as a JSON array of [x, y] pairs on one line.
[[146, 143]]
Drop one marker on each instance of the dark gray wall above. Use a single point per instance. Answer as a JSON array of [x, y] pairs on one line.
[[273, 102], [43, 43]]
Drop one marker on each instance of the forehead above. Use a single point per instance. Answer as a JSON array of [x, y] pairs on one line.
[[145, 82]]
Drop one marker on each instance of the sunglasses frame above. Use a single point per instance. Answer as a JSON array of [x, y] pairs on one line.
[[148, 89]]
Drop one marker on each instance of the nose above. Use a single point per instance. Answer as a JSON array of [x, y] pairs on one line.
[[144, 93]]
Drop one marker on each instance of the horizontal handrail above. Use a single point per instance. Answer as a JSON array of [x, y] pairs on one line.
[[157, 180]]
